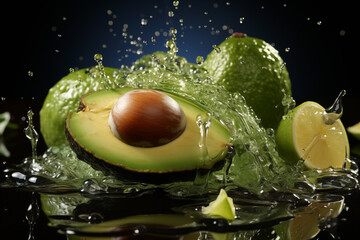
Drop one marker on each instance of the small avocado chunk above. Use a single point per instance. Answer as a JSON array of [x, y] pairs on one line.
[[91, 138]]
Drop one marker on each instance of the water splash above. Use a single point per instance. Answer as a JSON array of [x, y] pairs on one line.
[[32, 135], [203, 121], [335, 111]]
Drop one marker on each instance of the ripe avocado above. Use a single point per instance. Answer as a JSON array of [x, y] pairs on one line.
[[90, 137], [255, 69]]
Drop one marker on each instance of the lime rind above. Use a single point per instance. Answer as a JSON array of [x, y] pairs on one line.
[[222, 207], [355, 130], [291, 150]]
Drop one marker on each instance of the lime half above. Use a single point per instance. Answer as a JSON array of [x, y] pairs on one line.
[[222, 207], [302, 134], [355, 130]]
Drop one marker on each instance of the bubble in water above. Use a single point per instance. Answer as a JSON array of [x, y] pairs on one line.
[[71, 70], [30, 74], [144, 21], [287, 49], [242, 19], [171, 13], [319, 23]]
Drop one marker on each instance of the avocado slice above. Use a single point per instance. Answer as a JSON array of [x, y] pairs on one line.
[[91, 139]]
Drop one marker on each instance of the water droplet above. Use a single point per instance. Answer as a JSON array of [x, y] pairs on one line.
[[91, 186], [199, 60], [171, 13], [287, 49], [342, 32], [144, 21], [95, 218], [319, 23], [242, 19], [175, 3], [216, 48], [110, 23], [153, 39], [31, 134], [71, 70], [30, 74], [335, 111], [98, 57]]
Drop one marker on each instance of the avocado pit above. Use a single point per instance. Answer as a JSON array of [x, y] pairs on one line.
[[146, 118]]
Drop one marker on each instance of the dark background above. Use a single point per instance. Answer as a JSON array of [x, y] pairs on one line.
[[49, 37]]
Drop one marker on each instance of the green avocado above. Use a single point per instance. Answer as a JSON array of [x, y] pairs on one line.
[[255, 69], [64, 97], [91, 139]]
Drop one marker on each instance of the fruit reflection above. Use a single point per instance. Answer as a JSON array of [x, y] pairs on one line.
[[309, 219]]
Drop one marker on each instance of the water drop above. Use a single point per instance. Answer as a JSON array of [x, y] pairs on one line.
[[91, 186], [30, 74], [335, 111], [95, 218], [98, 58], [175, 3], [71, 70], [242, 19], [216, 48], [287, 49], [199, 60], [144, 21], [171, 13], [153, 39], [319, 23], [31, 134]]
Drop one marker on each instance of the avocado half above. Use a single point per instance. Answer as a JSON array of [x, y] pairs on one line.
[[91, 139]]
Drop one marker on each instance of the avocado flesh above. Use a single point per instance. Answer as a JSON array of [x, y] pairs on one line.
[[91, 138]]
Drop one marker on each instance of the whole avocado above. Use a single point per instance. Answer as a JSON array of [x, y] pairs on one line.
[[253, 68], [64, 98]]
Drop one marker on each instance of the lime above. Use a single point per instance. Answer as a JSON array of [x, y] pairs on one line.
[[355, 130], [222, 207], [306, 221], [254, 68], [303, 134], [64, 98]]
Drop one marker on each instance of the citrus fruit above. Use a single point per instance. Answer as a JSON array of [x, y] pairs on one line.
[[355, 130], [307, 220], [222, 206], [303, 134], [64, 98], [253, 68]]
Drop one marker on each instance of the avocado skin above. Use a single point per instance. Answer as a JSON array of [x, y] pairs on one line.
[[131, 176]]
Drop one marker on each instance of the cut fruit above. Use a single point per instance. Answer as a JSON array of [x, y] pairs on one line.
[[92, 140], [355, 130], [302, 134], [222, 207], [308, 220]]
